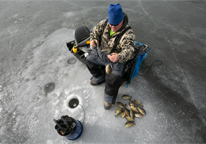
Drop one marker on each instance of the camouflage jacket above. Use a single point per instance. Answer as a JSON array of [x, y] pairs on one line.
[[125, 48]]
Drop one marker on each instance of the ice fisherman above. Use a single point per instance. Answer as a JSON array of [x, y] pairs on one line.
[[111, 51]]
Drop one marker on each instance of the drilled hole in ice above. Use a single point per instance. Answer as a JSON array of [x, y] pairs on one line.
[[73, 103]]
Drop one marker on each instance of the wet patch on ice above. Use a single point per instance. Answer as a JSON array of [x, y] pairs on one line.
[[49, 87], [71, 61]]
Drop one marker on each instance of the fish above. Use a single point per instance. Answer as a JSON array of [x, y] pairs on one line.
[[134, 109], [129, 124], [131, 114], [127, 106], [120, 105], [62, 132], [131, 103], [118, 111], [108, 69], [138, 115], [123, 114], [142, 111], [126, 97], [138, 103], [126, 112], [129, 118]]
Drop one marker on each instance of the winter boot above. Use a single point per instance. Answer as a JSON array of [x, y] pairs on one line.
[[107, 105], [95, 83]]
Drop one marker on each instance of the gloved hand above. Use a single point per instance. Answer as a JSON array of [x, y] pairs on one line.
[[93, 43]]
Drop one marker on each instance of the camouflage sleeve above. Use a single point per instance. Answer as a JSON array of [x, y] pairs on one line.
[[127, 45], [97, 31]]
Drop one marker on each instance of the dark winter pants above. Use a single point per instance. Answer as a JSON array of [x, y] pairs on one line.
[[96, 62]]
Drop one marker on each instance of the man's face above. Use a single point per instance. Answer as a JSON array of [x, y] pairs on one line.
[[116, 27]]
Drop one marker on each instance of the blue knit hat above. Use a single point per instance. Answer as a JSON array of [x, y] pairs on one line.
[[115, 14]]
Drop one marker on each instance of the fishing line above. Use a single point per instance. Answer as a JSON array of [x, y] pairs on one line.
[[84, 113], [85, 25], [160, 62]]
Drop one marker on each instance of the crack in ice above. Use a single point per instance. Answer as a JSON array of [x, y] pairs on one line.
[[186, 81]]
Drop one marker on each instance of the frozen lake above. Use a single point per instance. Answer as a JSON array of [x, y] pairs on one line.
[[33, 53]]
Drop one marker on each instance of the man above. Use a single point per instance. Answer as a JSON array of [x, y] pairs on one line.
[[110, 51]]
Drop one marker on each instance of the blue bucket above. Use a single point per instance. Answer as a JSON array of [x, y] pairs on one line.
[[77, 133], [69, 128]]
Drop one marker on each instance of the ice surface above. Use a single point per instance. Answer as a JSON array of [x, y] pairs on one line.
[[34, 53]]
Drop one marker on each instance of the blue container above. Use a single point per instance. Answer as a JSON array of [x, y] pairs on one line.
[[77, 133], [69, 128]]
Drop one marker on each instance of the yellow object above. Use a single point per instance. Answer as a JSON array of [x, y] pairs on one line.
[[87, 42], [74, 49]]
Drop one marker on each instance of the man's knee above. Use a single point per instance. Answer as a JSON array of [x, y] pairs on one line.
[[94, 69], [89, 63]]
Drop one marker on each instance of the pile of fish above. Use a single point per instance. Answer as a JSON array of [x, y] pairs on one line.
[[131, 110]]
